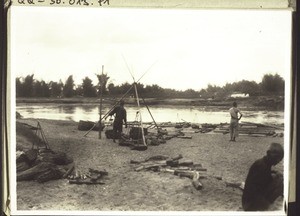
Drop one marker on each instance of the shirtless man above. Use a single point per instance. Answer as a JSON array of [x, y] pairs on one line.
[[263, 185], [236, 115]]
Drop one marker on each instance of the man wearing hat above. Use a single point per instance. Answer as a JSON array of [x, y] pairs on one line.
[[120, 117], [263, 185]]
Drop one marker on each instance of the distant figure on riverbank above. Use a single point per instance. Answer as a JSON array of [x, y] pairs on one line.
[[236, 115], [263, 185], [120, 117]]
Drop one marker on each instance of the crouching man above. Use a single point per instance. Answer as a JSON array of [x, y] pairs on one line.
[[263, 185]]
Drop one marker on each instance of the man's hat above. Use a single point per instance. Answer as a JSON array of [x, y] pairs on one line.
[[122, 102]]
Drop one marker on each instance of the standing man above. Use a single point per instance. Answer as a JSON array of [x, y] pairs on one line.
[[263, 185], [120, 117], [236, 115]]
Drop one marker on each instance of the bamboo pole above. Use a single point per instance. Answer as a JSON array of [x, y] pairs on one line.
[[105, 116], [100, 108], [138, 103], [150, 112]]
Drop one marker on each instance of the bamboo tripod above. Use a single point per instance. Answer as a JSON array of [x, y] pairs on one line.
[[40, 133], [134, 85]]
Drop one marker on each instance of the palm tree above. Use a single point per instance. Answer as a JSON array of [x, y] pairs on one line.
[[102, 82]]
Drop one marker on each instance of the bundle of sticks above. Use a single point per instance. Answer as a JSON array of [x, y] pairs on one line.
[[93, 177]]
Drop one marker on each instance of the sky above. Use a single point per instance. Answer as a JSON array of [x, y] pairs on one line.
[[173, 48]]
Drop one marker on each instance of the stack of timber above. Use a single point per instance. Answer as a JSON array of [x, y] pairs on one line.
[[253, 129], [174, 165], [42, 165]]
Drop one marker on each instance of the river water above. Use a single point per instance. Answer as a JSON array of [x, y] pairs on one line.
[[191, 114]]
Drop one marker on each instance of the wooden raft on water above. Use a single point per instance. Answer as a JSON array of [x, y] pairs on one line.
[[253, 129]]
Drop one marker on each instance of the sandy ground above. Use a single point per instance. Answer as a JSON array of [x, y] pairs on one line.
[[128, 190]]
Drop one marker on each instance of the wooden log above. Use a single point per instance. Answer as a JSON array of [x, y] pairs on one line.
[[177, 157], [258, 135], [85, 181], [161, 169], [102, 172], [69, 171], [153, 165], [33, 172], [183, 168], [185, 174], [248, 127], [196, 183], [59, 158], [135, 162], [139, 147], [139, 168], [185, 137], [31, 155], [50, 174], [234, 185], [157, 158], [172, 163], [195, 126], [200, 169], [218, 177], [183, 162], [22, 166]]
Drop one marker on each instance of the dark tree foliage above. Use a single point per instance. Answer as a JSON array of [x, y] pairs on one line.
[[19, 87], [153, 90], [88, 89], [191, 93], [28, 86], [211, 91], [272, 84], [111, 88], [121, 89], [68, 89], [56, 89], [102, 82], [41, 89]]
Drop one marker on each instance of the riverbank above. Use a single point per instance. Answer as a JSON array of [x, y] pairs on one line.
[[129, 190], [251, 103]]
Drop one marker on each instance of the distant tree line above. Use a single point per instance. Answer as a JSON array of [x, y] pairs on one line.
[[30, 87]]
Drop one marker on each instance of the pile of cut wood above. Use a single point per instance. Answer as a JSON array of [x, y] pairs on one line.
[[182, 168], [42, 165], [253, 129], [176, 166], [93, 177]]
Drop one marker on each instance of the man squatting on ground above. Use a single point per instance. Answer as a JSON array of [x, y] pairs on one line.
[[263, 185], [234, 121], [120, 117]]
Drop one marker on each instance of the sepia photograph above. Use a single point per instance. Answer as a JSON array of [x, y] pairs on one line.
[[149, 110]]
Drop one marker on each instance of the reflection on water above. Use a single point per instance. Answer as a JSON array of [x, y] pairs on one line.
[[160, 114]]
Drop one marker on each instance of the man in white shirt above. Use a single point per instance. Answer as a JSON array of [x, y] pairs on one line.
[[236, 115]]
